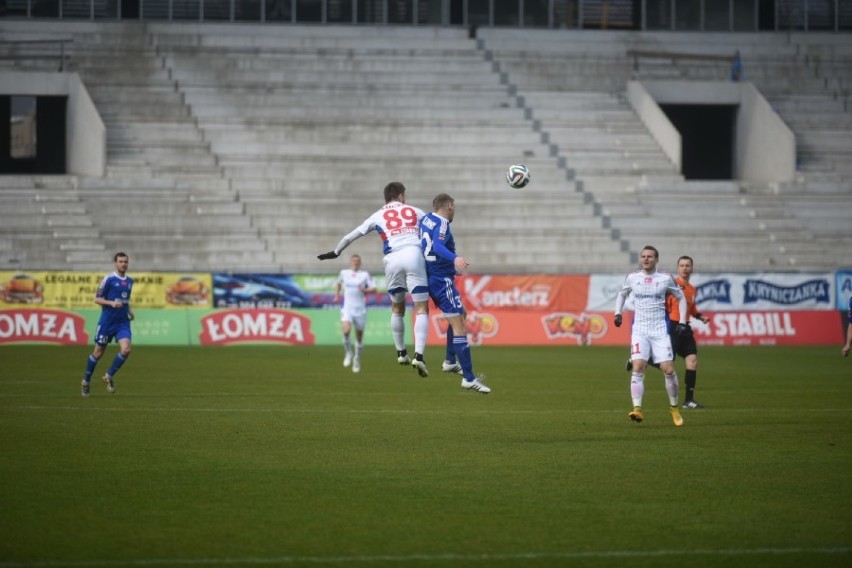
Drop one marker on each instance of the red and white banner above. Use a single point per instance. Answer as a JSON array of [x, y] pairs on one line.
[[791, 327], [42, 326], [504, 327], [224, 327], [534, 292]]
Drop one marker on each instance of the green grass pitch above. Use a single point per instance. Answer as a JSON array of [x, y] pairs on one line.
[[258, 455]]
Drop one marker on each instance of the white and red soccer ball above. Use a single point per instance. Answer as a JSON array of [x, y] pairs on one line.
[[518, 176]]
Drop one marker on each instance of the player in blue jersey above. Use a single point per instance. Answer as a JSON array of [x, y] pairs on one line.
[[442, 265], [848, 344], [113, 296]]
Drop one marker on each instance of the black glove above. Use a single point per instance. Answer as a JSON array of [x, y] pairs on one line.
[[617, 320], [682, 330], [328, 255]]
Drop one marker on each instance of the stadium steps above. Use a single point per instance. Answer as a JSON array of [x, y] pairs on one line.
[[340, 114], [161, 178], [42, 220], [253, 108], [162, 169], [641, 202]]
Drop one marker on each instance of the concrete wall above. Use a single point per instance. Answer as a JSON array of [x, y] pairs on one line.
[[85, 142], [656, 121], [765, 148]]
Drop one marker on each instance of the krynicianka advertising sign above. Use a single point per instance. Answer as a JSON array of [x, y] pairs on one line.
[[728, 292], [735, 292]]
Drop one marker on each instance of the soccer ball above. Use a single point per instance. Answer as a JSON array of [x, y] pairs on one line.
[[518, 176]]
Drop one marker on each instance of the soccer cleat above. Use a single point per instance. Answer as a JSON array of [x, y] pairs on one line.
[[84, 389], [348, 359], [636, 415], [692, 404], [448, 367], [676, 417], [402, 357], [629, 366], [420, 366], [356, 365], [110, 385], [476, 384]]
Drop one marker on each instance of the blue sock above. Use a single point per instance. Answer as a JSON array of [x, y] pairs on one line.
[[116, 364], [462, 350], [90, 368], [451, 351]]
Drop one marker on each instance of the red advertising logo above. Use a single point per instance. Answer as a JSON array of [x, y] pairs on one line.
[[44, 326], [523, 292], [479, 326], [583, 327], [255, 325]]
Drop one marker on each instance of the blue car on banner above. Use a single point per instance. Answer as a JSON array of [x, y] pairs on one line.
[[258, 291]]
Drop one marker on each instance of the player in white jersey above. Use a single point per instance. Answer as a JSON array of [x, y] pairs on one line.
[[355, 285], [649, 334], [405, 268]]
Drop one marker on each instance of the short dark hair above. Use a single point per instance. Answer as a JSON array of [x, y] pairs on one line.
[[441, 200], [649, 247], [119, 255], [393, 190], [684, 257]]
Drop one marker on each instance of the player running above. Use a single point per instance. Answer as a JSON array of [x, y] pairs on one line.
[[354, 284], [113, 295], [649, 334]]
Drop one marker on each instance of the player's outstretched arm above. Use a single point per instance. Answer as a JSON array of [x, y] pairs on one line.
[[359, 232]]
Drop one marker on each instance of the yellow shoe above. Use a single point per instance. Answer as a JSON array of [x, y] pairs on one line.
[[636, 415], [676, 417]]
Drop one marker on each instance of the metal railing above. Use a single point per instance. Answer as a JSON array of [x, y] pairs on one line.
[[682, 15], [15, 50]]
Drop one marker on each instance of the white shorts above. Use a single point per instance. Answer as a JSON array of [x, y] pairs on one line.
[[646, 348], [405, 271], [358, 321]]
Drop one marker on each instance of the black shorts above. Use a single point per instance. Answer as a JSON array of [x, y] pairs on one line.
[[684, 345]]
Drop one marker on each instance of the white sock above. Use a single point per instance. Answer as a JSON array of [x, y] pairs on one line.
[[672, 388], [398, 331], [421, 332], [637, 388]]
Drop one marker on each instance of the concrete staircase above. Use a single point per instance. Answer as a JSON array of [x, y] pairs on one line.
[[44, 223], [253, 148], [574, 84], [310, 127], [164, 198]]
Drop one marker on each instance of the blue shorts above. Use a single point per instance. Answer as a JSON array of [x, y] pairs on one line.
[[442, 290], [106, 333]]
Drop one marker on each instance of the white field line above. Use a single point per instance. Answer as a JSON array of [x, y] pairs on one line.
[[286, 410], [419, 558], [93, 408]]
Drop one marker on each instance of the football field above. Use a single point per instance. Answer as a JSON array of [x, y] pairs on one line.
[[278, 456]]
